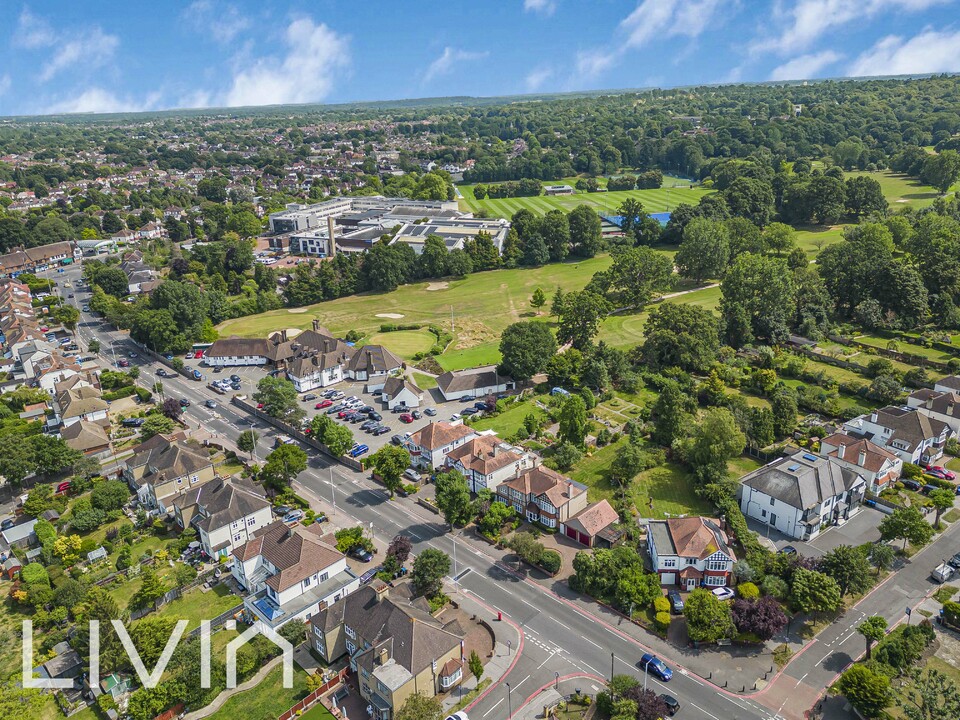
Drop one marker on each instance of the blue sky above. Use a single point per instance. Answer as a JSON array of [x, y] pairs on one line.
[[121, 55]]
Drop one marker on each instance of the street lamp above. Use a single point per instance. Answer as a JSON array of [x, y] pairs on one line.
[[456, 584], [509, 702], [556, 683]]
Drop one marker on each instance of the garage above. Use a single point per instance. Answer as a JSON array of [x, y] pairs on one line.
[[668, 578]]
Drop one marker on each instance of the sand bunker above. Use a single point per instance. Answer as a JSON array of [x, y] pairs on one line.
[[391, 316], [297, 310], [438, 285]]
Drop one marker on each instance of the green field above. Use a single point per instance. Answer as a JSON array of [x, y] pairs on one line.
[[814, 238], [903, 190], [665, 198], [404, 343]]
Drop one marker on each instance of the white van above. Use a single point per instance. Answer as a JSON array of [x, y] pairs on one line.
[[942, 573]]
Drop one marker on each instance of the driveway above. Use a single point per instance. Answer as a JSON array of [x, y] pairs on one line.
[[859, 529]]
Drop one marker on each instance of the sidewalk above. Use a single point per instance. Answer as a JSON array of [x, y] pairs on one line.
[[550, 696], [504, 655]]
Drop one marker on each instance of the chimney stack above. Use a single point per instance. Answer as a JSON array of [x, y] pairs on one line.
[[950, 409], [929, 403], [840, 451], [569, 490], [283, 336], [873, 417], [862, 458], [382, 656], [332, 241]]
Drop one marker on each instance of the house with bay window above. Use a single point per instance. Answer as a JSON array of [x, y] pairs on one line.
[[430, 445], [165, 467], [226, 513], [690, 552], [544, 496], [486, 461], [291, 573]]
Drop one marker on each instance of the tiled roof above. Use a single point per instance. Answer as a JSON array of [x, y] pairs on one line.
[[484, 454], [696, 537], [541, 480], [223, 502], [802, 481], [296, 554], [459, 380], [850, 447], [594, 518], [438, 434]]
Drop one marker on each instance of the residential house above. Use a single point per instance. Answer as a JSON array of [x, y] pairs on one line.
[[486, 461], [226, 513], [690, 552], [593, 526], [80, 403], [801, 495], [66, 664], [372, 364], [430, 445], [90, 438], [166, 466], [877, 466], [914, 437], [475, 382], [290, 573], [543, 496], [942, 405], [398, 391], [393, 643]]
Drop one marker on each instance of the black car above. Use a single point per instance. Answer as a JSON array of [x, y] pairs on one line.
[[6, 524], [375, 416], [132, 422], [161, 372], [218, 369], [676, 602], [397, 440], [481, 405], [235, 378], [362, 554], [184, 402], [309, 396], [366, 410], [370, 574], [235, 386], [368, 425], [469, 411], [382, 430], [417, 414], [911, 485], [673, 705], [788, 550], [281, 510], [466, 399], [954, 562]]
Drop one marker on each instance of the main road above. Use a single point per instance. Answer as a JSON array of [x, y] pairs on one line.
[[559, 639]]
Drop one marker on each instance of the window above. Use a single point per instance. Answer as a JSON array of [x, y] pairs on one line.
[[670, 562], [717, 565], [763, 513], [351, 648], [317, 631], [715, 580], [237, 537], [691, 561], [549, 522], [320, 648], [323, 577], [452, 679], [251, 521], [350, 632], [306, 582], [772, 501], [194, 478]]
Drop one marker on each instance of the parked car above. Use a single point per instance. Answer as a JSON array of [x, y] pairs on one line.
[[131, 355], [788, 550], [466, 399], [188, 356], [911, 484], [235, 378], [323, 404], [197, 375], [382, 430], [370, 574], [943, 573], [455, 416], [397, 440], [673, 705], [954, 562], [412, 475], [655, 666], [406, 418], [369, 424], [417, 414], [293, 516], [281, 510], [481, 406], [86, 308], [358, 451], [469, 411], [459, 715], [927, 489], [309, 396], [218, 369], [941, 472], [676, 602], [132, 422], [375, 416], [235, 386], [7, 524], [723, 593], [361, 553], [430, 411]]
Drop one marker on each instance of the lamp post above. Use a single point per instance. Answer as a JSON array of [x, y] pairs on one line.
[[333, 491], [556, 682], [611, 667], [509, 702]]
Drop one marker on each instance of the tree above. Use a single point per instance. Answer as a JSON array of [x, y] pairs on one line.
[[67, 315], [585, 231], [110, 495], [538, 300], [750, 198], [400, 548], [453, 497], [283, 465], [526, 348], [930, 695], [941, 170], [476, 665], [907, 524], [580, 318], [420, 707], [716, 439], [429, 569], [156, 425], [554, 228], [52, 454], [247, 441], [573, 420], [338, 439], [873, 629], [864, 195], [882, 556], [849, 567], [671, 412], [704, 251], [556, 304], [279, 399], [942, 500], [637, 273], [757, 297], [814, 592], [389, 462], [680, 335], [152, 588], [245, 224], [867, 690], [784, 407], [433, 259], [294, 632], [708, 618], [763, 617], [527, 548]]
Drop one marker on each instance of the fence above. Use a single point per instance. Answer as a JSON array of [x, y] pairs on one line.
[[312, 699]]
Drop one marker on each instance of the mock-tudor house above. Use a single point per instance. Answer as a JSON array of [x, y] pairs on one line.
[[877, 466], [690, 552], [226, 513], [79, 403], [166, 466], [486, 461], [914, 437], [394, 644], [543, 496], [372, 364], [942, 405], [90, 438], [430, 445], [398, 391], [474, 382], [801, 495], [593, 526], [291, 573]]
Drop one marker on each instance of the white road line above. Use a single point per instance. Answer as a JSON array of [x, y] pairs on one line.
[[824, 657], [521, 682], [704, 711], [557, 622], [590, 641], [493, 708], [592, 668], [801, 679], [549, 658]]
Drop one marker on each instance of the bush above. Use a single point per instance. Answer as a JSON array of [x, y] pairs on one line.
[[775, 587], [551, 561], [143, 394], [911, 471], [748, 591], [661, 605], [662, 620]]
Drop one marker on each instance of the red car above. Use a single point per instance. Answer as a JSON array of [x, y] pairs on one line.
[[406, 418], [343, 413], [323, 404], [259, 406]]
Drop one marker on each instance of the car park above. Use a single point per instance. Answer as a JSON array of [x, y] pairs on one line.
[[676, 602], [723, 593], [430, 411], [655, 666]]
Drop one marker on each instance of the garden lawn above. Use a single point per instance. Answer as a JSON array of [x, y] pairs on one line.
[[423, 381], [902, 190], [905, 347], [509, 422], [405, 343], [317, 712], [196, 605], [267, 700]]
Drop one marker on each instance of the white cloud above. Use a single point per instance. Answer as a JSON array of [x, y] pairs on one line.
[[448, 59], [33, 32], [929, 52], [650, 20], [5, 83], [223, 21], [314, 56], [541, 7], [805, 66], [537, 77], [808, 20], [98, 100], [93, 49]]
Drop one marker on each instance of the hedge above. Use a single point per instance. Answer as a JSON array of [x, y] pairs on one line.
[[119, 393]]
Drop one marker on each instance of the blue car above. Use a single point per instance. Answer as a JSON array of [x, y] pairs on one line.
[[358, 451], [655, 666]]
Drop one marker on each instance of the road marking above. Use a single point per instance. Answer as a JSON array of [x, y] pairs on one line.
[[521, 682], [549, 657], [592, 668], [704, 711], [801, 679], [493, 708], [590, 641], [557, 622], [824, 657]]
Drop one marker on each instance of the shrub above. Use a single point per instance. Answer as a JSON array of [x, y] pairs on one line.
[[911, 471], [748, 591], [775, 587], [661, 605], [662, 620], [144, 394], [551, 561]]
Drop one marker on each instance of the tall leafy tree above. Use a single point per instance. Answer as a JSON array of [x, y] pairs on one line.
[[585, 233], [757, 297], [873, 629], [580, 318], [526, 348], [680, 335], [573, 420], [637, 273], [704, 251], [389, 462], [708, 618]]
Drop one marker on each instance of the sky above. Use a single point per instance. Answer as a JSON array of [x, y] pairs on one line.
[[127, 55]]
